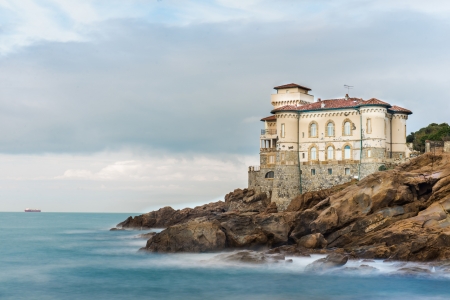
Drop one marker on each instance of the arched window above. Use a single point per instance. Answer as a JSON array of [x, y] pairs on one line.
[[330, 129], [330, 152], [369, 153], [347, 152], [313, 130], [347, 128], [270, 174], [313, 153]]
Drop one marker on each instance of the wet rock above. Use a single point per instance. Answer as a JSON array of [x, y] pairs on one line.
[[412, 271], [116, 229], [250, 257], [331, 261], [146, 236]]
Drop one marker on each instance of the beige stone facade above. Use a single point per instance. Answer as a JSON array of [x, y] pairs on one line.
[[309, 145]]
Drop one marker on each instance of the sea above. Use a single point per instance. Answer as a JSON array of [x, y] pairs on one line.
[[75, 256]]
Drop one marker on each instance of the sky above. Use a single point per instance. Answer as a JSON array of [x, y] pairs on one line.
[[128, 106]]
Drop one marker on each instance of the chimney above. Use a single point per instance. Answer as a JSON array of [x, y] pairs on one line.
[[346, 96], [318, 99]]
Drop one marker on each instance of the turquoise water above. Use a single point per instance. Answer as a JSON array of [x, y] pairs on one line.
[[75, 256]]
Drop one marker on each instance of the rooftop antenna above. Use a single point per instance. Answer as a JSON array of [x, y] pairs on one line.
[[348, 87]]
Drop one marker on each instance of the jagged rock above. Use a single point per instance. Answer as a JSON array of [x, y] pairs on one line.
[[312, 241], [302, 224], [331, 261], [271, 209], [198, 235], [310, 199], [167, 216], [247, 201]]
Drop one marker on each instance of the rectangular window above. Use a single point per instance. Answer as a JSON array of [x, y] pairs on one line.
[[313, 171], [282, 156], [282, 130], [271, 159], [303, 155], [330, 171], [369, 153], [303, 134], [369, 126], [347, 171]]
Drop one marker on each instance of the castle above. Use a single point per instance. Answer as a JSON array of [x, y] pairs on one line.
[[309, 145]]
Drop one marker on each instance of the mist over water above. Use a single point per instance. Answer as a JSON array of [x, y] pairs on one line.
[[75, 256]]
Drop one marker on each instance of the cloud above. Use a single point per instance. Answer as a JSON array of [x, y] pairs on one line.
[[117, 181], [109, 105]]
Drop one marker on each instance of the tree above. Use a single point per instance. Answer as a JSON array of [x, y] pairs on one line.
[[433, 132]]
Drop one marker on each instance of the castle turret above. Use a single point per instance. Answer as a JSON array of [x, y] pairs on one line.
[[291, 94]]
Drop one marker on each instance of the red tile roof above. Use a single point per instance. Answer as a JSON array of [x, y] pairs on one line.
[[291, 85], [324, 104], [375, 101], [398, 109], [269, 118], [341, 103]]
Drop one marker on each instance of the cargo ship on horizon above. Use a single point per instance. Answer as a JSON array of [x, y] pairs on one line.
[[32, 210]]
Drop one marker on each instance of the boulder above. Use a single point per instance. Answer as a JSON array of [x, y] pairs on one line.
[[312, 241], [334, 260], [247, 200], [194, 236]]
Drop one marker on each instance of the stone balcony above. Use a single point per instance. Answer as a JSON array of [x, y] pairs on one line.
[[268, 134]]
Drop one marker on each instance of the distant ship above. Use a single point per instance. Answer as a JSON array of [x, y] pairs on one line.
[[32, 210]]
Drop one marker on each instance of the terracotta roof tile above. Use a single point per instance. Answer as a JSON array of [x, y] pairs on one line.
[[291, 85], [399, 109], [269, 118], [374, 101], [341, 103], [324, 104]]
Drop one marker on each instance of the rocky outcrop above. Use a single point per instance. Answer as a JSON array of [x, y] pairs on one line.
[[167, 216], [401, 214], [247, 201], [238, 201], [197, 235], [312, 241]]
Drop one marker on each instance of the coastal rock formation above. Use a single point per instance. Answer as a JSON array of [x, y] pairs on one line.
[[398, 214], [239, 201], [167, 216], [198, 235]]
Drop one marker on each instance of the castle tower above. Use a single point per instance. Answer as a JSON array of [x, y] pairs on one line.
[[291, 94]]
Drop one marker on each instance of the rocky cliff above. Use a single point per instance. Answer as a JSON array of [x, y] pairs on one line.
[[400, 214]]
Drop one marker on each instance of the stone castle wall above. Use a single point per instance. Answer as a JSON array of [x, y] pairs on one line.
[[286, 183]]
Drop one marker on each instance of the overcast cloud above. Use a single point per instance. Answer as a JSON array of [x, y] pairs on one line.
[[183, 84]]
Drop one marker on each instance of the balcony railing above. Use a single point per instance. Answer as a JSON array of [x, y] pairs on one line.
[[268, 131]]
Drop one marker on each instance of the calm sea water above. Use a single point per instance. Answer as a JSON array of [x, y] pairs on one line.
[[75, 256]]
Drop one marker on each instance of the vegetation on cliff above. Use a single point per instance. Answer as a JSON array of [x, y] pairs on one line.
[[433, 132]]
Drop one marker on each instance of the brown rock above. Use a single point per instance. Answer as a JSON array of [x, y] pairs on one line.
[[195, 236], [312, 241]]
